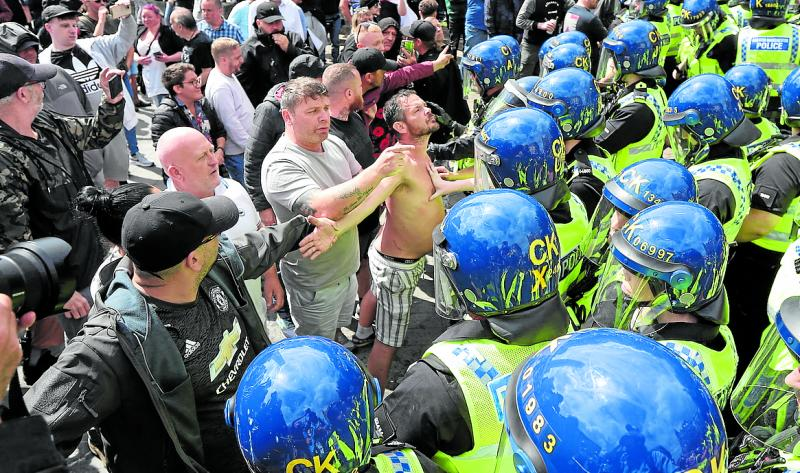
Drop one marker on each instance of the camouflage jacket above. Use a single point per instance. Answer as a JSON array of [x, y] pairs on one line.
[[39, 179]]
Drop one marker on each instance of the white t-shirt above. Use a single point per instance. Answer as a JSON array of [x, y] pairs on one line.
[[151, 73], [233, 108]]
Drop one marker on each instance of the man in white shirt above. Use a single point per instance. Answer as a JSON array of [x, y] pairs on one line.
[[193, 167], [231, 103]]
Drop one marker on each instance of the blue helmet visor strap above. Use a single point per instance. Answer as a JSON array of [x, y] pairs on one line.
[[556, 108], [517, 452], [650, 267], [622, 199], [787, 321]]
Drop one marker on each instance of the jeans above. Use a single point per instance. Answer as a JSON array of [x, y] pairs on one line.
[[333, 25], [235, 165], [474, 36], [157, 99], [130, 135]]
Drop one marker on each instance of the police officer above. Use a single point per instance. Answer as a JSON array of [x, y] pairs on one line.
[[572, 97], [609, 401], [634, 189], [486, 67], [752, 88], [664, 280], [770, 42], [524, 150], [709, 45], [669, 29], [307, 404], [448, 404], [770, 225], [765, 401], [707, 130], [634, 128]]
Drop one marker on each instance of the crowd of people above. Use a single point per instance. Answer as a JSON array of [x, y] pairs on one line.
[[608, 192]]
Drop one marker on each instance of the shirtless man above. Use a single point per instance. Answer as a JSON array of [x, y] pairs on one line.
[[413, 208]]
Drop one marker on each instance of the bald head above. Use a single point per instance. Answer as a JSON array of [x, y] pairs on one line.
[[189, 160]]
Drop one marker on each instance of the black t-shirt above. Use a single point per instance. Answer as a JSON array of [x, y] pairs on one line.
[[197, 52], [776, 183], [579, 18], [626, 125], [216, 352], [716, 197], [725, 52]]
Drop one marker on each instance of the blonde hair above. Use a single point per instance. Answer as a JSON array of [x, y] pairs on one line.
[[222, 47]]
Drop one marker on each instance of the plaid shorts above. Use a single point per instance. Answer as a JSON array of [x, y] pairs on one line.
[[393, 284]]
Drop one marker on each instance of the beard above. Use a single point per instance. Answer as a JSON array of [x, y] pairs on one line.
[[424, 129]]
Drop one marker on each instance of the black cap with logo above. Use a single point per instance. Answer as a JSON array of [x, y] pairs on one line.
[[164, 228]]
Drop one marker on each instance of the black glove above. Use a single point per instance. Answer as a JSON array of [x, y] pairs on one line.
[[441, 116]]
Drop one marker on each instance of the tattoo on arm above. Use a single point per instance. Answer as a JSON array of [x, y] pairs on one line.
[[356, 193], [305, 209]]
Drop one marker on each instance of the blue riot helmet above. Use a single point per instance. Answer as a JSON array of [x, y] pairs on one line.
[[605, 400], [482, 268], [522, 149], [514, 51], [513, 95], [572, 97], [637, 187], [670, 257], [644, 8], [772, 9], [704, 111], [565, 55], [790, 99], [631, 48], [487, 65], [700, 17], [304, 401], [751, 87], [567, 37]]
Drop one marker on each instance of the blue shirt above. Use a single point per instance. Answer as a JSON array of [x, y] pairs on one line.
[[226, 30]]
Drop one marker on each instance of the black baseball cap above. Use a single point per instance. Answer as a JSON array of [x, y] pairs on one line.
[[268, 12], [306, 65], [17, 72], [58, 11], [164, 228], [420, 29], [368, 60]]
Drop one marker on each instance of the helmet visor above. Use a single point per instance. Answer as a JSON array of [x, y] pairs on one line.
[[470, 85], [485, 159], [685, 145], [626, 299], [606, 221], [763, 404], [636, 9], [449, 304], [607, 70], [505, 100]]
